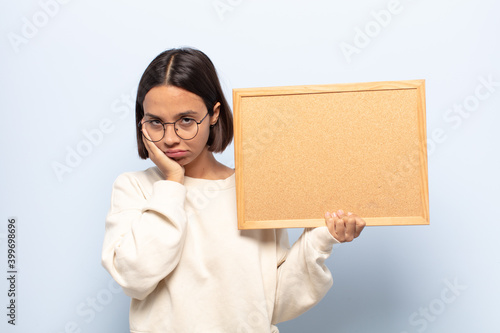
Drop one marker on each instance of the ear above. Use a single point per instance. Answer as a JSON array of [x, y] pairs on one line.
[[215, 116]]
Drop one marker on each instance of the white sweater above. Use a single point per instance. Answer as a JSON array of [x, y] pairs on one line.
[[177, 252]]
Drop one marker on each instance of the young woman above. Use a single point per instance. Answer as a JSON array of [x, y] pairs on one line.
[[171, 238]]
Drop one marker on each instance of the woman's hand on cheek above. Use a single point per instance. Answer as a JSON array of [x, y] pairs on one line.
[[344, 227], [171, 169]]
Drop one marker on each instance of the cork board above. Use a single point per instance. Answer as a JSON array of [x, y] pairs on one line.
[[301, 151]]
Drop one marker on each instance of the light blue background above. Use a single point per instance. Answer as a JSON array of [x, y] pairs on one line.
[[82, 65]]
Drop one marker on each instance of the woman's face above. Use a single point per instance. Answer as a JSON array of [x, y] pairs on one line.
[[168, 104]]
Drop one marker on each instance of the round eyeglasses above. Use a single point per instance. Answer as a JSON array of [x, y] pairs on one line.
[[186, 128]]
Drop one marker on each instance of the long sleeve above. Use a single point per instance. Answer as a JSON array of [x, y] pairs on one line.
[[303, 278], [145, 233]]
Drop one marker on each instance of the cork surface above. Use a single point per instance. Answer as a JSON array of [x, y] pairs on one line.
[[301, 154]]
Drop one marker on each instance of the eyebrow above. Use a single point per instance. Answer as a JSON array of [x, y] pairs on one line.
[[180, 114]]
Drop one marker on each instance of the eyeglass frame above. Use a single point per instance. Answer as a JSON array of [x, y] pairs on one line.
[[175, 130]]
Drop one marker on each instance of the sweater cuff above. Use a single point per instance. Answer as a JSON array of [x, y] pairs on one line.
[[322, 239]]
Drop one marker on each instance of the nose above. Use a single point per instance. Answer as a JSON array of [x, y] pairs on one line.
[[170, 137]]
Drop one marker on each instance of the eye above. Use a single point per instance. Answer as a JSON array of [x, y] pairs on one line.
[[155, 122], [186, 121]]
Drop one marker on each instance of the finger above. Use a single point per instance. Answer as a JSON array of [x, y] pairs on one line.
[[331, 220], [146, 138], [146, 134], [340, 229], [350, 228], [328, 216], [150, 145], [360, 225], [148, 148]]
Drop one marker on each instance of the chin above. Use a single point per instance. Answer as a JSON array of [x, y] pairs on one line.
[[182, 161]]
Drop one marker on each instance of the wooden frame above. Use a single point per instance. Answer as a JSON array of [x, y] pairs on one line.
[[301, 151]]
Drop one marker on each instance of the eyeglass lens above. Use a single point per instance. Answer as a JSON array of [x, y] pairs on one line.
[[185, 128]]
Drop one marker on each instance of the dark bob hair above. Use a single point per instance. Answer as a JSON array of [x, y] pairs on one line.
[[192, 70]]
